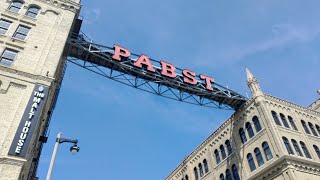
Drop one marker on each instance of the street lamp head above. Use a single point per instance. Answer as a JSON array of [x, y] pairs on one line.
[[74, 149]]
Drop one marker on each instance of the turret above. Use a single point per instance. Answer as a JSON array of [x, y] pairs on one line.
[[253, 84]]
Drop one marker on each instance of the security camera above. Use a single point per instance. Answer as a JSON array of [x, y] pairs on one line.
[[318, 91], [74, 149]]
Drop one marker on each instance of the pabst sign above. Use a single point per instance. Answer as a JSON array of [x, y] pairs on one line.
[[167, 69], [29, 121]]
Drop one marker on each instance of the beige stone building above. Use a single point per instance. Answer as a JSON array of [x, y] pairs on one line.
[[267, 138], [33, 34]]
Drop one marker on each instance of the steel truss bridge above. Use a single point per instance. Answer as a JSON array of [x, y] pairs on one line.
[[82, 51]]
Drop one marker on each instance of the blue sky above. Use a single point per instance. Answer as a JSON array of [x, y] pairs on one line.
[[125, 133]]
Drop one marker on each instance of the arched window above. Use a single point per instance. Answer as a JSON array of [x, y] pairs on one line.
[[221, 176], [275, 118], [228, 175], [267, 151], [33, 11], [242, 135], [223, 152], [251, 163], [304, 125], [15, 6], [196, 175], [259, 156], [287, 145], [249, 129], [200, 169], [235, 172], [296, 147], [256, 123], [314, 132], [205, 164], [305, 149], [293, 125], [317, 150], [216, 153], [318, 128], [284, 120], [229, 148], [187, 177]]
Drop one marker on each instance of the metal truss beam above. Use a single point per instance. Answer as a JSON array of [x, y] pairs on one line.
[[97, 58]]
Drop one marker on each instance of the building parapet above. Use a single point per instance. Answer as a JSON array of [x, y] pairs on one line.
[[289, 104]]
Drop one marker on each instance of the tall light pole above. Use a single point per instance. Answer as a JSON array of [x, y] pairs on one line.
[[74, 149]]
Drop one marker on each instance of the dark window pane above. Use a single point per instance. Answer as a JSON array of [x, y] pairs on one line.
[[284, 120], [317, 150], [196, 175], [275, 118], [223, 152], [206, 168], [312, 129], [221, 177], [229, 148], [251, 162], [293, 125], [228, 175], [235, 172], [259, 156], [267, 151], [304, 125], [242, 136], [296, 147], [200, 169], [305, 149], [249, 129], [256, 123], [318, 128], [287, 145], [216, 153]]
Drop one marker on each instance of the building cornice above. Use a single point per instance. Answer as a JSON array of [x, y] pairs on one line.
[[292, 105]]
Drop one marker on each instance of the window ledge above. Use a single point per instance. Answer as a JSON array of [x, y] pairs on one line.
[[29, 20], [251, 140], [205, 175], [18, 41], [289, 130], [228, 158]]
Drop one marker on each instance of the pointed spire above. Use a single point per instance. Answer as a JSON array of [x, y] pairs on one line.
[[253, 84], [249, 74]]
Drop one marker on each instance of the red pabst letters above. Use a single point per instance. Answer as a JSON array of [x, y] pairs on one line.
[[208, 81], [120, 52], [189, 77], [144, 60], [168, 69]]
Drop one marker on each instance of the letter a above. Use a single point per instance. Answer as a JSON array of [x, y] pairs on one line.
[[143, 59], [120, 52]]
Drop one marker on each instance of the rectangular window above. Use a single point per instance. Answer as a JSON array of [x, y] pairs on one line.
[[8, 56], [15, 6], [4, 26], [21, 32]]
